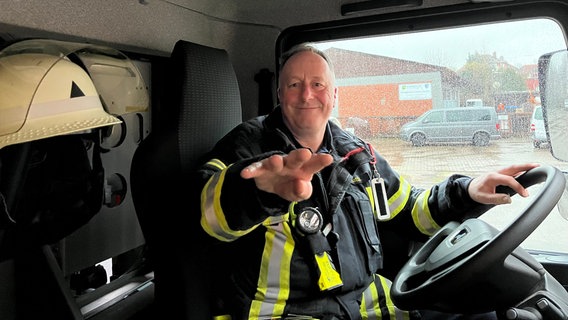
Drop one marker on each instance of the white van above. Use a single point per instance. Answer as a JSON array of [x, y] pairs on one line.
[[474, 125]]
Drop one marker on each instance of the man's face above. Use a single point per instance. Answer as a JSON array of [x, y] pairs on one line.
[[307, 93]]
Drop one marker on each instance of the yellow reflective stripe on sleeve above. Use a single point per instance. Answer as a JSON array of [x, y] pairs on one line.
[[212, 217], [399, 199], [217, 163], [273, 287], [421, 215]]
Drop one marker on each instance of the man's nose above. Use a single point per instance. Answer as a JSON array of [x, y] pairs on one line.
[[307, 92]]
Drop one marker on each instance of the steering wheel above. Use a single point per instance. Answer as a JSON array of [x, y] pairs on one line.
[[472, 267]]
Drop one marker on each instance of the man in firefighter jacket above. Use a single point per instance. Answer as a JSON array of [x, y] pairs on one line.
[[297, 201]]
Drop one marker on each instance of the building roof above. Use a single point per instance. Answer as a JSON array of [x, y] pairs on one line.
[[350, 64]]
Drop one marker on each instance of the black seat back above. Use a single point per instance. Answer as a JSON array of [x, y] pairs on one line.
[[202, 103]]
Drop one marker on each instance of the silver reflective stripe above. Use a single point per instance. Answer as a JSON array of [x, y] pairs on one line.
[[273, 288], [370, 304]]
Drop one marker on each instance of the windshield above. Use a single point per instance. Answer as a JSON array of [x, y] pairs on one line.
[[393, 80]]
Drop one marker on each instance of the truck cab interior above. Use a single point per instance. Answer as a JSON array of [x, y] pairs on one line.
[[96, 217]]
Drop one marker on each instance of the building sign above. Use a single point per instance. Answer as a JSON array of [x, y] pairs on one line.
[[415, 91]]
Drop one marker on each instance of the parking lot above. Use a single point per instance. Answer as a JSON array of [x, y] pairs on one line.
[[423, 166], [428, 164]]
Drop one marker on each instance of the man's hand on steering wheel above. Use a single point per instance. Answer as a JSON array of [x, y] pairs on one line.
[[483, 188]]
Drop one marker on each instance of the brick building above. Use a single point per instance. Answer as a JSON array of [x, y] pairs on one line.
[[387, 92]]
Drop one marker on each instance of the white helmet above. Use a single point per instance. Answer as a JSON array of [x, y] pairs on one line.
[[43, 95], [118, 81]]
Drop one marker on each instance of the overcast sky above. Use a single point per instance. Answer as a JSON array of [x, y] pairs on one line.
[[519, 43]]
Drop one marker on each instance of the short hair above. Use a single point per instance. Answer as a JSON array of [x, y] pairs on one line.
[[301, 48]]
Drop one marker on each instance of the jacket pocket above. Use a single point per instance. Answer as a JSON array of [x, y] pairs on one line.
[[359, 215]]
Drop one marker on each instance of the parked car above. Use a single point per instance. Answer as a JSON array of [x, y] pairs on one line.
[[476, 125], [538, 131]]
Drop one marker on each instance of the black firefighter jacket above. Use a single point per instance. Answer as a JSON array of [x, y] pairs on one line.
[[270, 264]]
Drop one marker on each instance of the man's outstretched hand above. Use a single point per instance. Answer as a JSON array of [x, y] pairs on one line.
[[288, 176]]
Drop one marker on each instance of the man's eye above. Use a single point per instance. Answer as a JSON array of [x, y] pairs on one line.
[[318, 86]]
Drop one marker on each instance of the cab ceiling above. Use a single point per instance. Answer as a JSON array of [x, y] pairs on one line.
[[155, 25], [282, 14]]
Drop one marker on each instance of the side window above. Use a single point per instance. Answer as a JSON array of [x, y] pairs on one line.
[[482, 116], [434, 117], [477, 115], [391, 80], [455, 116]]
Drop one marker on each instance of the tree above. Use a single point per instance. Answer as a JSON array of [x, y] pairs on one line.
[[486, 75], [510, 80], [478, 73]]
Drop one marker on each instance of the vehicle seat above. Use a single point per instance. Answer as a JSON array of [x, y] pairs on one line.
[[200, 105]]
